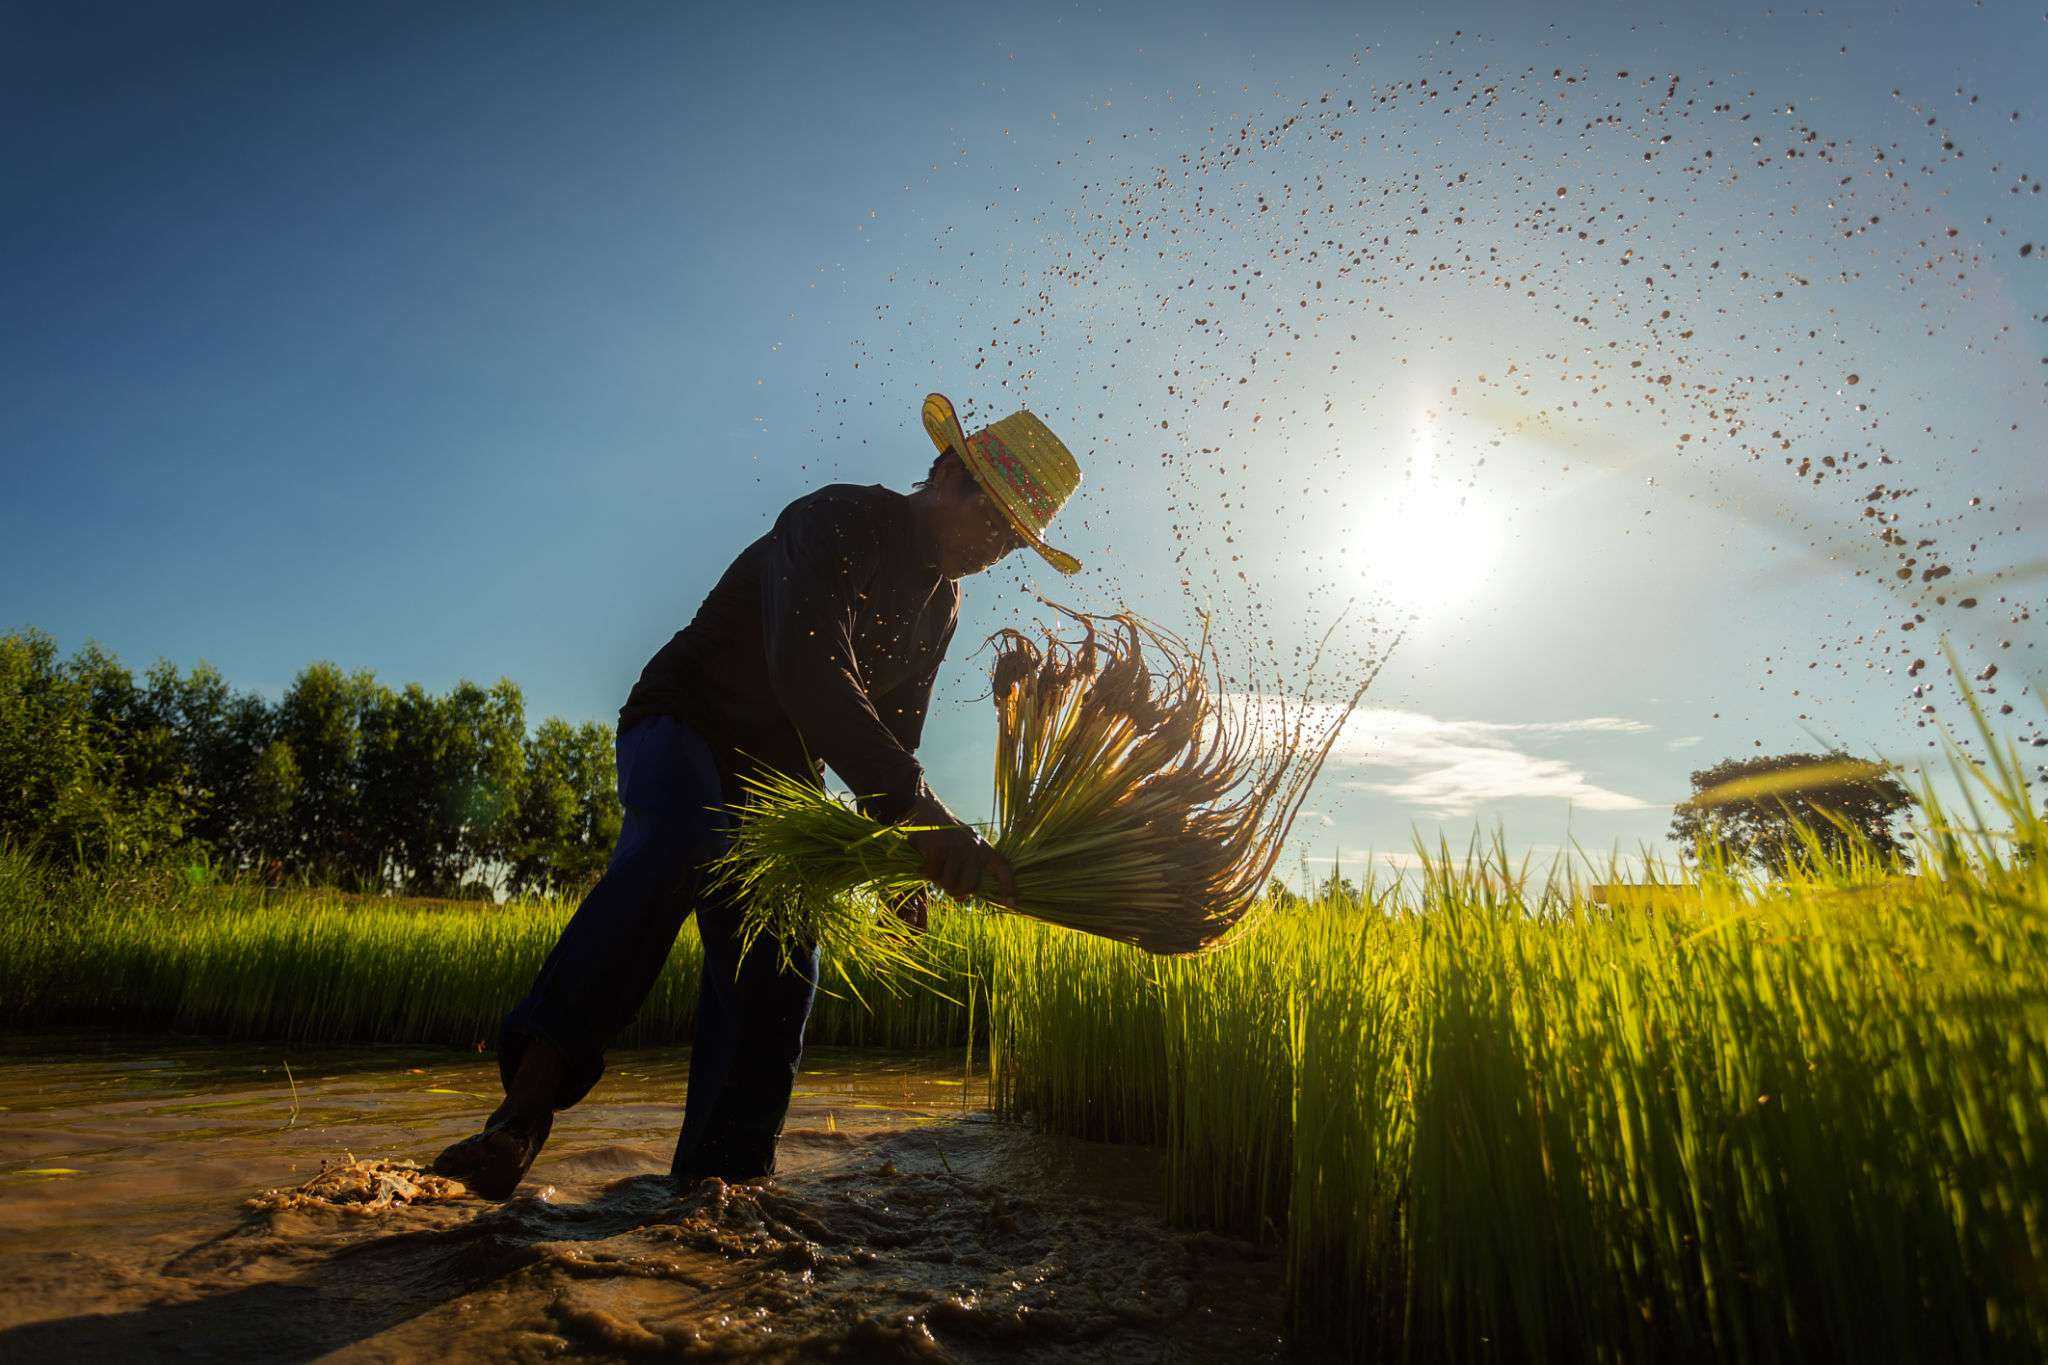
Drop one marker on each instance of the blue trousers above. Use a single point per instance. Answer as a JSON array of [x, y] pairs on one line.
[[750, 1013]]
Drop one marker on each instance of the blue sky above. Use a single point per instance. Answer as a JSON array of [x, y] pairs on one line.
[[473, 341]]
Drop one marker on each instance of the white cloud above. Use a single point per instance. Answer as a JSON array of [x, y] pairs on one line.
[[1453, 768], [1685, 741]]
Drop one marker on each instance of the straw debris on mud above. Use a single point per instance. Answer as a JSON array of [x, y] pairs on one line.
[[357, 1186]]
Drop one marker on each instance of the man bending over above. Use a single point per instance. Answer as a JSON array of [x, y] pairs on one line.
[[819, 645]]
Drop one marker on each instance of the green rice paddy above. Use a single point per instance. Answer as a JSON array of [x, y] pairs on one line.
[[1488, 1116], [147, 951]]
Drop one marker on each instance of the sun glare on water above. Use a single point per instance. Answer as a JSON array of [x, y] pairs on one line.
[[1429, 544]]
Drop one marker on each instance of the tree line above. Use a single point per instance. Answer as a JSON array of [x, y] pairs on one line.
[[344, 781]]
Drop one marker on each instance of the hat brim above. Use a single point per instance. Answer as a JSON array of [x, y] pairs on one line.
[[942, 424]]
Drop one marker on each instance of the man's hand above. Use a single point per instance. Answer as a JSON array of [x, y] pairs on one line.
[[913, 908], [957, 859]]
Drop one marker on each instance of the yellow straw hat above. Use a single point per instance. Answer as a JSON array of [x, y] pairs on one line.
[[1020, 464]]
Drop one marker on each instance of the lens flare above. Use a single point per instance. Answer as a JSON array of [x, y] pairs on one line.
[[1429, 544]]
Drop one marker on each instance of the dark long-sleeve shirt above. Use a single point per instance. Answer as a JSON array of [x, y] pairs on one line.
[[822, 640]]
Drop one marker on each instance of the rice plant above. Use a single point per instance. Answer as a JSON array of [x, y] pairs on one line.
[[1802, 1119], [149, 951]]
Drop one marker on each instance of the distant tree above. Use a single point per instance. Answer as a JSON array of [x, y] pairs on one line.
[[45, 736], [1753, 807], [439, 777], [486, 763], [1279, 893], [240, 758], [219, 737], [320, 718], [82, 777], [137, 724], [265, 837], [146, 795], [476, 768], [395, 760], [1338, 888], [566, 815], [343, 781]]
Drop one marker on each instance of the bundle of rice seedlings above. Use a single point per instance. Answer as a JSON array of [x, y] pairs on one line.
[[1136, 799]]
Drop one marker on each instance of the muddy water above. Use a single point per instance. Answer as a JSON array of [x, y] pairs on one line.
[[905, 1224]]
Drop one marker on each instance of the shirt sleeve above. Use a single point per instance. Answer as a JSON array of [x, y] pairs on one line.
[[822, 558], [903, 707]]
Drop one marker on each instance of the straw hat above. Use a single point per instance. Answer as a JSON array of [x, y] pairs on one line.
[[1019, 463]]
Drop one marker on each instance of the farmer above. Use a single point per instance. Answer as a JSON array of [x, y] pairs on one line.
[[819, 645]]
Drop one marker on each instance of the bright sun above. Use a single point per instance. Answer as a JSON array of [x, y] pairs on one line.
[[1428, 544]]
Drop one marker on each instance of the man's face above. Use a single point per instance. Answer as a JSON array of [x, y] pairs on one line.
[[976, 534]]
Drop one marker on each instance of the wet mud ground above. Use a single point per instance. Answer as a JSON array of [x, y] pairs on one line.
[[146, 1213]]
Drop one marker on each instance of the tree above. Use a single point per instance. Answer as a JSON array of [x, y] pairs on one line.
[[45, 736], [438, 779], [143, 796], [343, 781], [220, 738], [478, 778], [395, 780], [566, 816], [1754, 808], [320, 719], [84, 773], [1336, 889], [264, 834]]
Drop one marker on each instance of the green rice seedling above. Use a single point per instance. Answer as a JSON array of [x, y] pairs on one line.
[[152, 951], [1798, 1119], [775, 863]]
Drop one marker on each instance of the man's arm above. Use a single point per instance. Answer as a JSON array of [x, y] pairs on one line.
[[822, 557], [904, 706], [902, 709], [955, 856]]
